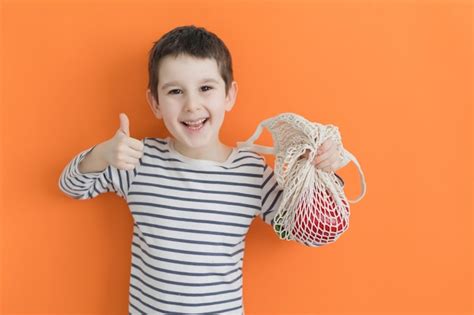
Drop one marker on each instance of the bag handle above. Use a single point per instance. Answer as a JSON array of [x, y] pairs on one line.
[[256, 147], [272, 150]]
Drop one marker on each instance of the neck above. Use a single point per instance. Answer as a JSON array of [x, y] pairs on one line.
[[218, 152]]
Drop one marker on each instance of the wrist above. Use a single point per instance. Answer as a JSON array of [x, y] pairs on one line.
[[101, 155]]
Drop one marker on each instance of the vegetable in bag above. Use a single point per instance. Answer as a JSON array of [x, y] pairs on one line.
[[314, 209]]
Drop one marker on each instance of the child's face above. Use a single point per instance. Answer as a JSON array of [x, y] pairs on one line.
[[191, 90]]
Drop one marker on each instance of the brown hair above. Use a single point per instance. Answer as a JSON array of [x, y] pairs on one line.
[[193, 41]]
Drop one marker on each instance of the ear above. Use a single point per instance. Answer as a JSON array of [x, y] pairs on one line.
[[231, 96], [155, 107]]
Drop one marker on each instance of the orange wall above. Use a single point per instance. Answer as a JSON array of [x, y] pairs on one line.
[[396, 77]]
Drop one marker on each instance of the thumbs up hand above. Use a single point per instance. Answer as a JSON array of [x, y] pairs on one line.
[[122, 151], [124, 124]]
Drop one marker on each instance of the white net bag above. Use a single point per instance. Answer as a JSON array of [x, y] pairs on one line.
[[314, 209]]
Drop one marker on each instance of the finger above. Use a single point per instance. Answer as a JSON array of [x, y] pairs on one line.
[[329, 168], [318, 160], [127, 166], [326, 161], [130, 160], [136, 154], [326, 145], [124, 124], [326, 155], [325, 169], [335, 166], [135, 144], [322, 165]]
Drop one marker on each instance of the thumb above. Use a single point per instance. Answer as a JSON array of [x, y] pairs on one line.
[[124, 124]]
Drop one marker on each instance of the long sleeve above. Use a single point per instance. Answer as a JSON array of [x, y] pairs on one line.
[[89, 185], [271, 195]]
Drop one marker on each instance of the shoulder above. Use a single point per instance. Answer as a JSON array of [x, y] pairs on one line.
[[249, 155], [155, 144]]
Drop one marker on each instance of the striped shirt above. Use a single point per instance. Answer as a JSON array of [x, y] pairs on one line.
[[190, 222]]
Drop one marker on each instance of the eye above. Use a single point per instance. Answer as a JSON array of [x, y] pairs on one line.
[[174, 91], [206, 88]]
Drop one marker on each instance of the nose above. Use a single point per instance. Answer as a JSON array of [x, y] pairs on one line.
[[192, 103]]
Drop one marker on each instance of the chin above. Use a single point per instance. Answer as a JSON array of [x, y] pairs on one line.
[[197, 141]]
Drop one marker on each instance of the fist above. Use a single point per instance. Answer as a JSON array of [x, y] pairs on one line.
[[122, 151], [328, 158]]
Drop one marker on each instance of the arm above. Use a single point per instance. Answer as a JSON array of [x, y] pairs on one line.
[[93, 161], [271, 196], [84, 177], [108, 166]]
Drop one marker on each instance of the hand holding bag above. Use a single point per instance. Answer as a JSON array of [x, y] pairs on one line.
[[314, 209]]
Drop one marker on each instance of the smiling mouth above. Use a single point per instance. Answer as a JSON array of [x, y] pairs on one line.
[[196, 124]]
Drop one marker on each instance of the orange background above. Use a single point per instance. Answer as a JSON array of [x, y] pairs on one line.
[[396, 77]]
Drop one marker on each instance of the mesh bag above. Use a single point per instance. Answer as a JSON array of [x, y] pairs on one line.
[[314, 209]]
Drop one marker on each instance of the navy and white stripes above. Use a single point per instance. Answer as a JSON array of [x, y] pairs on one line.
[[190, 222]]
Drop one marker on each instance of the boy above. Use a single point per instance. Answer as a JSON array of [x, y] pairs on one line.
[[191, 196]]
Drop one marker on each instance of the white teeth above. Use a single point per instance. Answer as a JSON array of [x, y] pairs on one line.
[[195, 123]]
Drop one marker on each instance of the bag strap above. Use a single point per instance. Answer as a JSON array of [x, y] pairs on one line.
[[256, 147], [361, 176]]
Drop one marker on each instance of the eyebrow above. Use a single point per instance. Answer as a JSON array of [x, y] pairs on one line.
[[177, 83]]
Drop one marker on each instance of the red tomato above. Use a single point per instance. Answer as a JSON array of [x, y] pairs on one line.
[[319, 222]]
